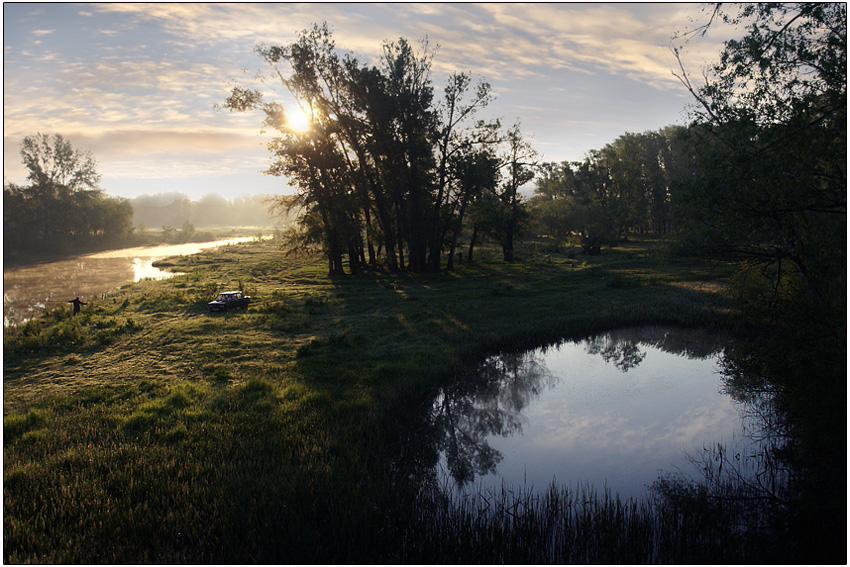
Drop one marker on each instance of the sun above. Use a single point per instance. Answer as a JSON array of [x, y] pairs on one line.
[[297, 120]]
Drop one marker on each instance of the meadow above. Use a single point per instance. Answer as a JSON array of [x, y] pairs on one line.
[[148, 430]]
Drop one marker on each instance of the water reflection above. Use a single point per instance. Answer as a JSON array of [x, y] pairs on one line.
[[613, 410], [489, 403]]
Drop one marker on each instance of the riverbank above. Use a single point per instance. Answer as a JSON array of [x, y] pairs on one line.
[[158, 432], [31, 290], [22, 258]]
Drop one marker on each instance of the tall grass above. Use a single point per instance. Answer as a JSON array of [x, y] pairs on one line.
[[516, 525]]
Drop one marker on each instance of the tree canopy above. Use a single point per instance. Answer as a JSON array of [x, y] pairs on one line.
[[386, 170], [771, 128], [628, 185]]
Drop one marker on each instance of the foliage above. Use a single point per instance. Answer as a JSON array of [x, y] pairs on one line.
[[58, 164], [519, 162], [770, 130], [63, 209], [626, 186], [770, 139], [384, 171]]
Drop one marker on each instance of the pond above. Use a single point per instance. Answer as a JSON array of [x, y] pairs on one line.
[[31, 290], [614, 411]]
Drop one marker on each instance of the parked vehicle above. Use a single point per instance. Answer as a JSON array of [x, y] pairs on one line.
[[227, 300]]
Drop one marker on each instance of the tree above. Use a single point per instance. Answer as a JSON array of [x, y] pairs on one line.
[[771, 147], [465, 163], [62, 209], [381, 162], [477, 174], [54, 164], [770, 128], [519, 162], [626, 186]]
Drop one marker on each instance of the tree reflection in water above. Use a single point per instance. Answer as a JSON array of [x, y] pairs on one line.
[[781, 487], [623, 354], [489, 401]]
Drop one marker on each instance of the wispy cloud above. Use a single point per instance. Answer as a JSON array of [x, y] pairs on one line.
[[119, 75], [497, 40]]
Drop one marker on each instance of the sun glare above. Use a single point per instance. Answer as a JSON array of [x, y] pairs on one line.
[[297, 119]]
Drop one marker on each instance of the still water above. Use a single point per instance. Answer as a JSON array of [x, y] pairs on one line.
[[613, 411], [29, 291]]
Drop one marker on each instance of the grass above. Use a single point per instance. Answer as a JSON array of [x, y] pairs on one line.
[[584, 526], [147, 430]]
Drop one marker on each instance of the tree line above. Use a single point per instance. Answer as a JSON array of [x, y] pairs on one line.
[[627, 186], [62, 209], [387, 173], [390, 175], [759, 174], [771, 171], [174, 209]]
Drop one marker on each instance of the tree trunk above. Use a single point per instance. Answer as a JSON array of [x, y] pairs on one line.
[[353, 259], [508, 244], [472, 243]]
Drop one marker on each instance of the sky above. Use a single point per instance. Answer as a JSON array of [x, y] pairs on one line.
[[137, 84]]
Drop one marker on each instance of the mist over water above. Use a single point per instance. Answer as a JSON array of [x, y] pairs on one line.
[[29, 291]]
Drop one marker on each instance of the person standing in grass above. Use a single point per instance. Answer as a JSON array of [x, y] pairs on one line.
[[76, 301]]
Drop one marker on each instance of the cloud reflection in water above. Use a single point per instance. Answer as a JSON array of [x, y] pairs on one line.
[[614, 409]]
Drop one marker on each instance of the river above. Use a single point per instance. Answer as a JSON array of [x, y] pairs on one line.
[[29, 291]]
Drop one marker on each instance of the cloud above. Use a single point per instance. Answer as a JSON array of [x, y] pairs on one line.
[[157, 153], [497, 40], [147, 77]]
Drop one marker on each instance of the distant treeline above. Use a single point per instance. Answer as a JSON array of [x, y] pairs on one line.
[[55, 218], [174, 209], [633, 184], [63, 210]]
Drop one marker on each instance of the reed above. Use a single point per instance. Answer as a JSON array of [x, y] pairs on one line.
[[579, 525]]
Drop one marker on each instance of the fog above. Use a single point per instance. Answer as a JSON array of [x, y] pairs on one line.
[[174, 209]]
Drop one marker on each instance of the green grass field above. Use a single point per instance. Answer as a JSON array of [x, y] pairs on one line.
[[147, 430]]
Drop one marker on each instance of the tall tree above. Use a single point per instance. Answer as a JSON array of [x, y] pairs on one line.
[[379, 161], [53, 163], [519, 162], [628, 185], [772, 190], [461, 153]]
